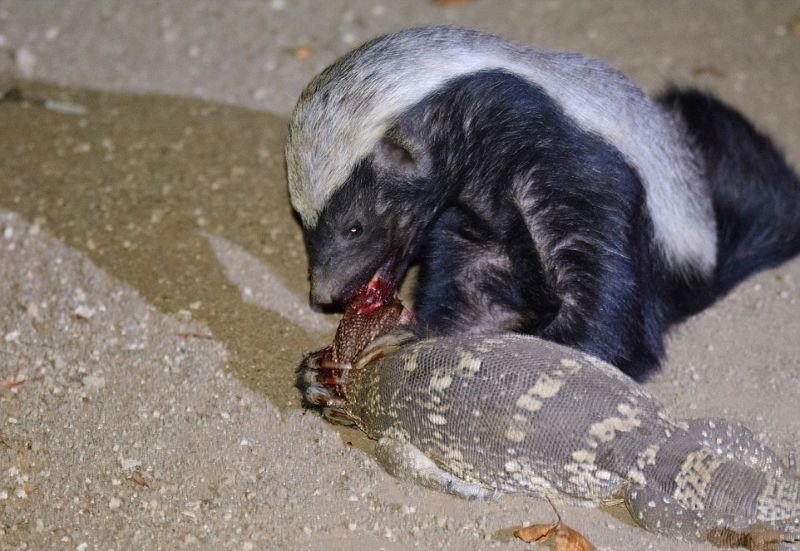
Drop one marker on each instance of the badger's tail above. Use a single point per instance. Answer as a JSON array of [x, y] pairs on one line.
[[755, 193]]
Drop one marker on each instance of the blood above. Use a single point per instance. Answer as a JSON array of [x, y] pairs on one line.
[[372, 296], [374, 311]]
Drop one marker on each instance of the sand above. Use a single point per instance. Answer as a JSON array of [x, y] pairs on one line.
[[153, 278]]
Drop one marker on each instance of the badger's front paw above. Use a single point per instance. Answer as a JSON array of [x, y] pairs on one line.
[[323, 381]]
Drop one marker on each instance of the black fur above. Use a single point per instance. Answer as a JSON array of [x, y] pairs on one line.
[[522, 221], [756, 194]]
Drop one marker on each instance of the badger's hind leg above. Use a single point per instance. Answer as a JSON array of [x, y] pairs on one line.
[[403, 460]]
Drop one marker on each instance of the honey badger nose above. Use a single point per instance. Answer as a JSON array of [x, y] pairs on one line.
[[324, 290], [321, 294]]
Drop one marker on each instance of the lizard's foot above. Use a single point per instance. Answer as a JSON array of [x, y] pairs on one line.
[[662, 514], [322, 381], [404, 460], [758, 537]]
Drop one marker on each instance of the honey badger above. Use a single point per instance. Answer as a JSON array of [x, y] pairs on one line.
[[540, 192]]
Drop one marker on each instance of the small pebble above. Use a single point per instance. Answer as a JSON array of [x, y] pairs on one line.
[[93, 381], [128, 464], [114, 503], [84, 312], [26, 61], [184, 316]]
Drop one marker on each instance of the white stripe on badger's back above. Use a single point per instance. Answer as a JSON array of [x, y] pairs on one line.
[[344, 112]]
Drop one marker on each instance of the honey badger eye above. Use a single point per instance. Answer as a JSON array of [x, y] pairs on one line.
[[355, 230]]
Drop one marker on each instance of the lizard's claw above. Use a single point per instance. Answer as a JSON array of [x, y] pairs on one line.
[[323, 381]]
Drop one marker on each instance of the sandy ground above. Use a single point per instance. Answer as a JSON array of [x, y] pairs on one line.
[[152, 276]]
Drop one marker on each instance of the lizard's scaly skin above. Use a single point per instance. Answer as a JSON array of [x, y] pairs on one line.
[[476, 415]]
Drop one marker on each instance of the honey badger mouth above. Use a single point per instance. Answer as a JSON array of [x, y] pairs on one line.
[[373, 311], [379, 290]]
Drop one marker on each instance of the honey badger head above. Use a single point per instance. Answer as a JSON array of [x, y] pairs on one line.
[[371, 223], [362, 177]]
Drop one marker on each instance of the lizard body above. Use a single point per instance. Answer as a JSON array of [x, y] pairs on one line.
[[479, 415]]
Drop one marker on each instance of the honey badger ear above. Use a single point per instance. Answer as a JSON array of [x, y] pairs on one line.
[[401, 154]]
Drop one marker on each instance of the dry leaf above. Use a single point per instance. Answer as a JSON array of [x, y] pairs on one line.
[[794, 26], [568, 539], [707, 70], [536, 532], [11, 384], [192, 335], [140, 479], [302, 52]]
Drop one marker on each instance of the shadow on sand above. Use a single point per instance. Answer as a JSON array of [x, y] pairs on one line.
[[138, 182]]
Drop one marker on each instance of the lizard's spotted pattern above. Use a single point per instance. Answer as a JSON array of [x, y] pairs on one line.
[[480, 415]]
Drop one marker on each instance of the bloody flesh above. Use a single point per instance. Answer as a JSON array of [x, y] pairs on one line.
[[373, 311]]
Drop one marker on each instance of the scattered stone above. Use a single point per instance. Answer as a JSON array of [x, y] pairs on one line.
[[184, 316], [129, 464], [84, 312], [26, 61], [93, 381]]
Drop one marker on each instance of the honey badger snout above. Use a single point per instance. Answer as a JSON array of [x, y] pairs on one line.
[[335, 283], [323, 290]]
